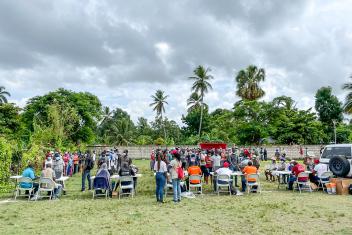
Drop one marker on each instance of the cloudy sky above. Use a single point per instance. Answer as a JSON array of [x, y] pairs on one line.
[[122, 51]]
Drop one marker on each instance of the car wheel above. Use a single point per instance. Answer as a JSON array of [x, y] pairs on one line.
[[339, 166]]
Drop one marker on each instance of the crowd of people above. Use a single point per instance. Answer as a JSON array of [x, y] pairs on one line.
[[56, 165], [208, 163], [171, 165]]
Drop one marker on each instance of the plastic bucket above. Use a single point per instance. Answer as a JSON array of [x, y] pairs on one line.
[[328, 188]]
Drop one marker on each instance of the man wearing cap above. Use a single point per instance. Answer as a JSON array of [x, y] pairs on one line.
[[296, 169], [225, 170], [319, 170]]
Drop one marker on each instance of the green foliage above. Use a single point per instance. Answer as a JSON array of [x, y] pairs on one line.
[[118, 129], [248, 80], [329, 109], [192, 121], [10, 121], [159, 141], [144, 140], [5, 159], [87, 107]]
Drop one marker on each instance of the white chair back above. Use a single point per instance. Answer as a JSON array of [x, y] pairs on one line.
[[195, 177], [46, 183], [25, 180]]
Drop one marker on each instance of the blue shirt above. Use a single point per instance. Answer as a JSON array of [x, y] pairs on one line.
[[28, 172]]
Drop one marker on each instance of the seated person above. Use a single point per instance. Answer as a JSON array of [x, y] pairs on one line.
[[270, 168], [249, 169], [29, 173], [282, 166], [225, 170], [126, 170], [319, 169], [296, 169], [104, 173], [49, 173], [194, 170]]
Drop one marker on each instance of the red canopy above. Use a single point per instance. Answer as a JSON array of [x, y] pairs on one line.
[[208, 146]]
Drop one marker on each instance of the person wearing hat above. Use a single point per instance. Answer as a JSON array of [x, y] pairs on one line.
[[319, 170], [269, 170], [296, 169], [225, 170]]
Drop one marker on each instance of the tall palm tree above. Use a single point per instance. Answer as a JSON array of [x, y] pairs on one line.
[[3, 94], [107, 113], [248, 83], [201, 85], [194, 102], [348, 101], [159, 102]]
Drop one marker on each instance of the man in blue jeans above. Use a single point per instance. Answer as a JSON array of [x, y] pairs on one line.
[[87, 167]]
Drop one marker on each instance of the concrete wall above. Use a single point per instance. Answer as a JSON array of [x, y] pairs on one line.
[[143, 152]]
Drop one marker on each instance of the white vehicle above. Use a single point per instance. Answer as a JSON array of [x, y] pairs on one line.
[[339, 158]]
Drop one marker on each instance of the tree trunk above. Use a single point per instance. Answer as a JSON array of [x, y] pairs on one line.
[[162, 123], [201, 118]]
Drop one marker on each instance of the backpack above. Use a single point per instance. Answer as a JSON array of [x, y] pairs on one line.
[[180, 173], [90, 164]]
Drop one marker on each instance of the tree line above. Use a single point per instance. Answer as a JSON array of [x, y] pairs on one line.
[[69, 120]]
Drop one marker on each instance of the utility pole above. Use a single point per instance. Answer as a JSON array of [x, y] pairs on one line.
[[334, 122]]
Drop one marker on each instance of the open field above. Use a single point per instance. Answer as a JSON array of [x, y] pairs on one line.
[[272, 212]]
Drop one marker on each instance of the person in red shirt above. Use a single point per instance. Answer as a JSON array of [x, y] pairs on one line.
[[208, 166], [297, 168]]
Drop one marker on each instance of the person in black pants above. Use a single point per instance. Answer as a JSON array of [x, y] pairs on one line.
[[87, 167]]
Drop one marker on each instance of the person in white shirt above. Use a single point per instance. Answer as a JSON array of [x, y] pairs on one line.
[[319, 169], [269, 170], [225, 170], [160, 169], [216, 159]]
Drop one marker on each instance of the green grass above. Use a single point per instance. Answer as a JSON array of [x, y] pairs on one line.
[[272, 212]]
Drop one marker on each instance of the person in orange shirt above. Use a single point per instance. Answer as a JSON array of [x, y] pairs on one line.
[[194, 170], [249, 169]]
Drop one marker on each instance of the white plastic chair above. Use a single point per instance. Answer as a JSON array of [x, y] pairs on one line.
[[196, 186], [46, 185], [252, 184], [19, 188], [326, 175], [129, 188], [305, 185], [225, 184]]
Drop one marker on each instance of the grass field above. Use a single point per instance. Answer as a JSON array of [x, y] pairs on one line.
[[272, 212]]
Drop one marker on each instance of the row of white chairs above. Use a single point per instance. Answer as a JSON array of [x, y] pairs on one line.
[[222, 184], [45, 189]]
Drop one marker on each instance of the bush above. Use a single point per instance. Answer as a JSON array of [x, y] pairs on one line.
[[5, 160]]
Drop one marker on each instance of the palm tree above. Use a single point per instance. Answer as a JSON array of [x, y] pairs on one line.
[[159, 102], [3, 94], [107, 113], [248, 83], [201, 85], [348, 101], [194, 102]]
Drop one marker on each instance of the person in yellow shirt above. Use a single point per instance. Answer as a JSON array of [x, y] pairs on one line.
[[249, 169]]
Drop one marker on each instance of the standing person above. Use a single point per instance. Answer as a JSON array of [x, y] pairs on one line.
[[75, 163], [265, 153], [176, 166], [152, 160], [160, 177], [58, 165], [209, 167], [87, 167], [216, 161]]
